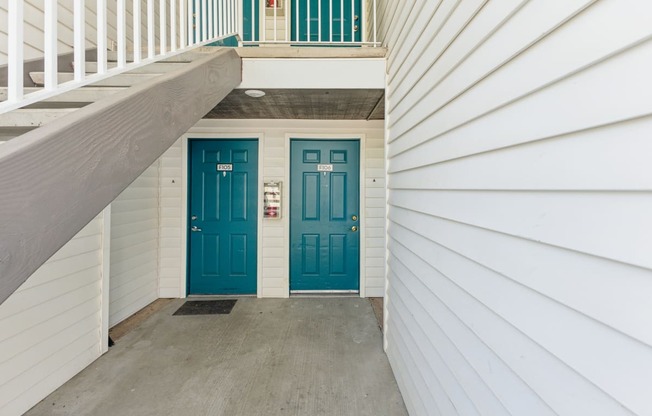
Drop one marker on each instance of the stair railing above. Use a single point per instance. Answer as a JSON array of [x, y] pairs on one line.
[[181, 25], [311, 22]]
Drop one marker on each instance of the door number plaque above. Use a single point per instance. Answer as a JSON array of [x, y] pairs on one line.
[[324, 168], [224, 167]]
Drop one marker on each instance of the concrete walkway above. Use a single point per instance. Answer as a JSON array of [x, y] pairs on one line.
[[316, 356]]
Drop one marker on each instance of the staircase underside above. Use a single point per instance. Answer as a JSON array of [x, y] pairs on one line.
[[74, 159]]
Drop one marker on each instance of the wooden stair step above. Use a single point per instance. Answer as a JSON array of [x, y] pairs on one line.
[[120, 80], [188, 56], [31, 118], [8, 133], [75, 97], [153, 68]]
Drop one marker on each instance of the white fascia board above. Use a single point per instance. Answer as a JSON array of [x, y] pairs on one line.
[[313, 73]]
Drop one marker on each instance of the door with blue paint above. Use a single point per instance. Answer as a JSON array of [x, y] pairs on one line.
[[324, 215], [222, 222], [341, 20]]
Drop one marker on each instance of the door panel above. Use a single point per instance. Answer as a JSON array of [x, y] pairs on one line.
[[324, 253], [222, 217]]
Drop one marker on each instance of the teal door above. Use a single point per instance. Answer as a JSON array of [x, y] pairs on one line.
[[324, 215], [222, 222], [341, 20]]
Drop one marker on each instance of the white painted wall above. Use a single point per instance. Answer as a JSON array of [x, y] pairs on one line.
[[34, 17], [134, 246], [51, 327], [519, 206], [274, 136]]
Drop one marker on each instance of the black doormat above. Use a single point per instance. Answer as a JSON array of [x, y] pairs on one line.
[[206, 307]]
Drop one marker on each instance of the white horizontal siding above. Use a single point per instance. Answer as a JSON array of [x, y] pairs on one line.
[[50, 327], [34, 17], [519, 197], [171, 271], [134, 247], [275, 245]]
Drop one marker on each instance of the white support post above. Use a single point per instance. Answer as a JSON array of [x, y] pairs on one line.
[[50, 58], [319, 20], [240, 20], [234, 17], [308, 20], [15, 50], [227, 16], [79, 43], [101, 37], [221, 11], [137, 34], [341, 20], [204, 21], [197, 23], [173, 25], [352, 21], [275, 13], [216, 18], [105, 284], [151, 30], [253, 20], [182, 24], [297, 22], [190, 24], [374, 17], [209, 17], [121, 15], [264, 19], [330, 22], [163, 19]]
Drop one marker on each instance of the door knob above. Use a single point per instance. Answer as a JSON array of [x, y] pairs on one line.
[[195, 229], [355, 28], [354, 228]]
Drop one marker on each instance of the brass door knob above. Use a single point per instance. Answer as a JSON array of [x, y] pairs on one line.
[[354, 228]]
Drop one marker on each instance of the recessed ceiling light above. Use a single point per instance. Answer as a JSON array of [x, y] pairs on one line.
[[255, 93]]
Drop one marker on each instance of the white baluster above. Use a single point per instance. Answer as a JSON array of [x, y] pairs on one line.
[[136, 24], [122, 33], [79, 42], [15, 50], [101, 37], [50, 29]]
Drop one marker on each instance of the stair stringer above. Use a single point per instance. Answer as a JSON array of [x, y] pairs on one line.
[[55, 179]]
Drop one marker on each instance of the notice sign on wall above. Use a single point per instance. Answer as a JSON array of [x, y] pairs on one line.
[[272, 200]]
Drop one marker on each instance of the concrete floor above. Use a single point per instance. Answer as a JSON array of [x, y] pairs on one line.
[[310, 356]]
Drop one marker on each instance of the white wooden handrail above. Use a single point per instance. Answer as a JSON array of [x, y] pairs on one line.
[[178, 31]]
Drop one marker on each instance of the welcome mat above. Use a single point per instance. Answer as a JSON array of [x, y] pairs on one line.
[[206, 307]]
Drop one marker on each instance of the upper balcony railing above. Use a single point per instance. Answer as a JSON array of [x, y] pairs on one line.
[[309, 22], [140, 31]]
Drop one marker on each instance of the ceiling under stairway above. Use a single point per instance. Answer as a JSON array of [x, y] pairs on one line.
[[305, 104]]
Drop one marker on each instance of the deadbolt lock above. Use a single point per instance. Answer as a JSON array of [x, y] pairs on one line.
[[355, 18], [354, 218]]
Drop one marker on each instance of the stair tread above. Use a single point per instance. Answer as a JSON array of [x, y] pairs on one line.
[[119, 80], [30, 118], [78, 95], [153, 68]]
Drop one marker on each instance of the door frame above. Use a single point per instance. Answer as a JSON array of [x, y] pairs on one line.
[[185, 177], [286, 211]]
